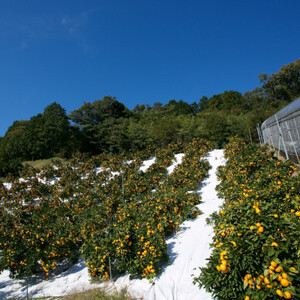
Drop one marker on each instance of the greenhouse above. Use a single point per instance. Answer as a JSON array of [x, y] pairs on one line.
[[282, 131]]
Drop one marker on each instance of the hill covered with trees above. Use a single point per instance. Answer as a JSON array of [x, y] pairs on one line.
[[107, 125]]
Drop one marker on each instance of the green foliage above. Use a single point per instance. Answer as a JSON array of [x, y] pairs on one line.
[[10, 167], [56, 128], [100, 121], [277, 90], [45, 135], [228, 101], [178, 108]]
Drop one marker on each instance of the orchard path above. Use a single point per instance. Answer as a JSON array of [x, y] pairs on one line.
[[189, 248]]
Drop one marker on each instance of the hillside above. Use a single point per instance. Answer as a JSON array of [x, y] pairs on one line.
[[141, 222], [108, 126], [187, 250]]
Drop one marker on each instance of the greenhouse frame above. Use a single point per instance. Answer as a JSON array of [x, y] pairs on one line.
[[282, 131]]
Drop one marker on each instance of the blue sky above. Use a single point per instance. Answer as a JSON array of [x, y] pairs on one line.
[[141, 52]]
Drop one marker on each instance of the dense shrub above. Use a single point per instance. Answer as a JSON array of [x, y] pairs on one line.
[[257, 230]]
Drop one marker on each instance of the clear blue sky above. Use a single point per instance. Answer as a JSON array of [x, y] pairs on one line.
[[139, 51]]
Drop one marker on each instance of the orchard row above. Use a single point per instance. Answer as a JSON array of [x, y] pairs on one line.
[[257, 230], [104, 209]]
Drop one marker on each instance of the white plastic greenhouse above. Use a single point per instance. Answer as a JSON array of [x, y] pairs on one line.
[[282, 131]]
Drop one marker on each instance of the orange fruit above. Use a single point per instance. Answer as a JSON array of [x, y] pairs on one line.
[[284, 275], [266, 280], [279, 293], [223, 267], [273, 264], [278, 269], [260, 229], [284, 282], [287, 295], [247, 277]]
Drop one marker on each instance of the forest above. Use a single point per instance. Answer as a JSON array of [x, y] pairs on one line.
[[108, 126]]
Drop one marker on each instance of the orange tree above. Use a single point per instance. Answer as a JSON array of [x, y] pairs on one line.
[[35, 233], [41, 217], [257, 231]]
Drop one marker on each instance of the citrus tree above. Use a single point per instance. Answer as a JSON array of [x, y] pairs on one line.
[[257, 230]]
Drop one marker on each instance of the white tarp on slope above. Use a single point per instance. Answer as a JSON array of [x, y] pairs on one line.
[[188, 250]]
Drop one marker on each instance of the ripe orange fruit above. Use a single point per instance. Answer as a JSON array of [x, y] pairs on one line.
[[247, 277], [223, 267], [273, 264], [233, 243], [284, 282], [278, 269], [287, 295], [266, 280], [279, 293], [260, 229], [284, 275]]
